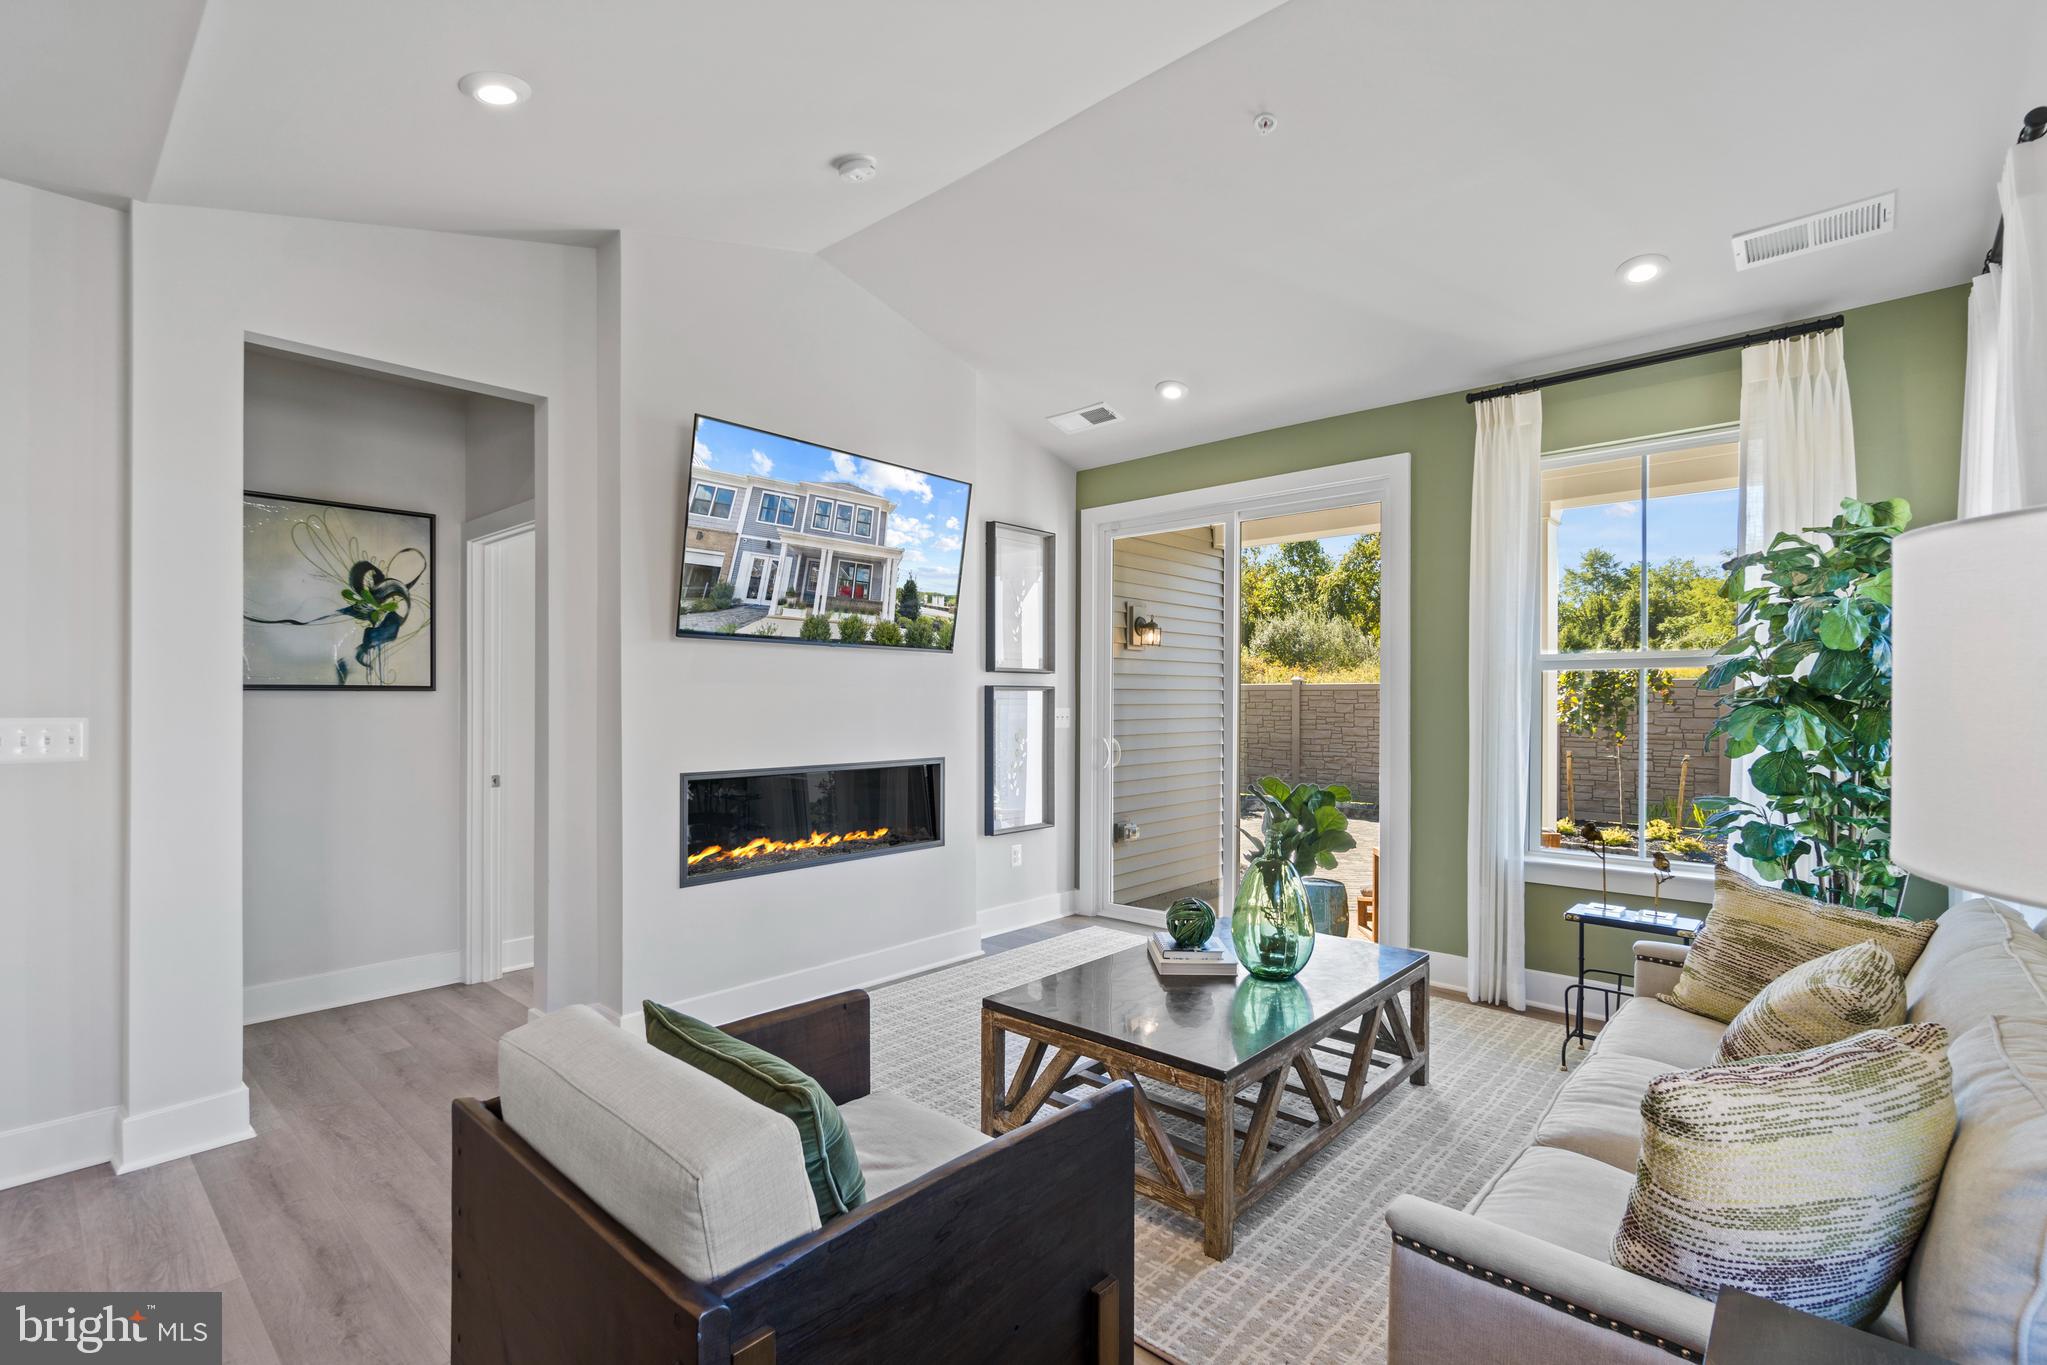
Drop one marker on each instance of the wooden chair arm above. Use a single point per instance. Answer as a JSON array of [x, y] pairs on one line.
[[825, 1038], [1004, 1253]]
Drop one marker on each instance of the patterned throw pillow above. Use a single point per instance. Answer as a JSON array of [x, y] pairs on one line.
[[1754, 934], [1849, 991], [1804, 1178]]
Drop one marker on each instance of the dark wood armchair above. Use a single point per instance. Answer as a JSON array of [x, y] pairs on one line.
[[1021, 1250]]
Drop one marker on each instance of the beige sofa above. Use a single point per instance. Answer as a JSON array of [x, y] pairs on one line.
[[1523, 1273]]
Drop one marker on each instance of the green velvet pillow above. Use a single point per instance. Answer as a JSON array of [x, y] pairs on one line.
[[835, 1177]]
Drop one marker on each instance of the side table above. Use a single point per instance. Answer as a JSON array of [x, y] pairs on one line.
[[1613, 987]]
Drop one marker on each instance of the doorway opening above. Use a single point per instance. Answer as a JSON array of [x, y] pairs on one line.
[[1250, 634], [358, 602]]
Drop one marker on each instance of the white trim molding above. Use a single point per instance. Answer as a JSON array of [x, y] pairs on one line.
[[516, 955], [1000, 919], [1688, 882], [808, 983], [1451, 971], [269, 1000], [38, 1151], [181, 1129]]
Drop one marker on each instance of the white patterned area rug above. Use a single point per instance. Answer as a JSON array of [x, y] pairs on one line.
[[1307, 1281]]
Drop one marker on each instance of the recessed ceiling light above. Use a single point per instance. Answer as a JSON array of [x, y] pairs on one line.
[[495, 88], [1642, 269], [1172, 390], [856, 168]]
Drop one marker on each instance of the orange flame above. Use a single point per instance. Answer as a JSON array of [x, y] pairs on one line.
[[754, 848]]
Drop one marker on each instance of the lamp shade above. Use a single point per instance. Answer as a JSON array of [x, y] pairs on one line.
[[1969, 704]]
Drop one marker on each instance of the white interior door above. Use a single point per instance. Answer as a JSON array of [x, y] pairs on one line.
[[1160, 721], [503, 734]]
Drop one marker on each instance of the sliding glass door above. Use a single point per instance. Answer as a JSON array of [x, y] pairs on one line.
[[1247, 634]]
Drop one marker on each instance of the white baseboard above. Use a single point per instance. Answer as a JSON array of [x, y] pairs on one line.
[[41, 1150], [181, 1129], [351, 985], [1545, 989], [1000, 919], [862, 972], [516, 955]]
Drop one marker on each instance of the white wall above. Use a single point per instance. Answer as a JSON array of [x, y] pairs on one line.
[[516, 318], [63, 542], [352, 819], [500, 444], [783, 341]]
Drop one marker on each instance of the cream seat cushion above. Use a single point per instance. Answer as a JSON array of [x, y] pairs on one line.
[[1598, 1112], [1559, 1197], [900, 1140], [1983, 962], [705, 1176], [1976, 1289], [1658, 1032]]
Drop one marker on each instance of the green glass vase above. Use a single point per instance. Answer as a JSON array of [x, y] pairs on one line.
[[1271, 926]]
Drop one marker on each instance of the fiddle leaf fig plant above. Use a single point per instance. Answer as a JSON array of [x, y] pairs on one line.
[[1304, 825], [1808, 679]]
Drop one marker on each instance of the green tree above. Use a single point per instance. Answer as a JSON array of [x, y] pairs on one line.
[[909, 602], [1350, 590]]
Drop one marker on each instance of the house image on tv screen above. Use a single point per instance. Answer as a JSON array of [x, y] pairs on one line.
[[809, 546]]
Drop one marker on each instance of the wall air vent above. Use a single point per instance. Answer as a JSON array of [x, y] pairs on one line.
[[1815, 232], [1084, 419]]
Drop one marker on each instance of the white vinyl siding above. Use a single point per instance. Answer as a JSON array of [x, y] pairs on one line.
[[1169, 716]]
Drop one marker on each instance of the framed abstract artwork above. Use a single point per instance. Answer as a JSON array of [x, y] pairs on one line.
[[1019, 758], [336, 595], [1020, 608]]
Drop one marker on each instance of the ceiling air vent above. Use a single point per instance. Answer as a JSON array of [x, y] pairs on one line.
[[1083, 419], [1815, 232]]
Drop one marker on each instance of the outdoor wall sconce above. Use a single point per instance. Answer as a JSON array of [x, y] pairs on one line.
[[1142, 632]]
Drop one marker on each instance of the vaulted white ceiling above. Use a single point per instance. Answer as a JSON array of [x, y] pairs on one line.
[[1072, 196]]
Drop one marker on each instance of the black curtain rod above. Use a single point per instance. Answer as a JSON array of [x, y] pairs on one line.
[[2034, 127], [1697, 348]]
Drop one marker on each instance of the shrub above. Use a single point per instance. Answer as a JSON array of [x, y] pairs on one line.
[[909, 601], [720, 595], [945, 636], [1686, 847], [1613, 836], [852, 629], [1568, 828], [768, 630], [1306, 639], [729, 628], [815, 627], [1663, 830], [887, 633], [920, 633]]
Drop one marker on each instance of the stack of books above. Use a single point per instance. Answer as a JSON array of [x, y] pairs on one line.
[[1214, 958]]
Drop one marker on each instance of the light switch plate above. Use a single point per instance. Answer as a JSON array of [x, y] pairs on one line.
[[42, 741]]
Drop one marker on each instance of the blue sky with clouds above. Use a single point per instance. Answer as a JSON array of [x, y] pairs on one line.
[[1696, 526], [928, 525]]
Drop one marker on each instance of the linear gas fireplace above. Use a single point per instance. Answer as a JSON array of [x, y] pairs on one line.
[[739, 824]]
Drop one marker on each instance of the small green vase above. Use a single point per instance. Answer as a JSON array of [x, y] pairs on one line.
[[1190, 920], [1271, 925]]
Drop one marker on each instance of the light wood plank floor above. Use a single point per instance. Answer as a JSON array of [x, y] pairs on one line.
[[328, 1233]]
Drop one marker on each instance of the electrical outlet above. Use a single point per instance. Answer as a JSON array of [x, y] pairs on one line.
[[1062, 718], [1016, 855], [42, 741]]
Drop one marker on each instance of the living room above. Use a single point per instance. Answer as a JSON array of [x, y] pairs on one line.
[[1049, 662]]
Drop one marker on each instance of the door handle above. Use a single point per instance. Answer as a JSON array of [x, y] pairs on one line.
[[496, 780], [1112, 752]]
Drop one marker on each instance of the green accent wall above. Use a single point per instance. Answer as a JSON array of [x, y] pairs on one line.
[[1905, 363]]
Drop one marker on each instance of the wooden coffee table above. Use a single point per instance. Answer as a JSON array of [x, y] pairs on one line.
[[1336, 1036]]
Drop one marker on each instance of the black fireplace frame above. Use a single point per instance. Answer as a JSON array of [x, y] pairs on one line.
[[682, 854]]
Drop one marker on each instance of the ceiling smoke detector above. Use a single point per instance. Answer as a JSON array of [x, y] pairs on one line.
[[1815, 232], [1085, 419], [856, 169], [1263, 123]]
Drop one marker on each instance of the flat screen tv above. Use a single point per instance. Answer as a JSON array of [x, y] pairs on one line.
[[786, 541]]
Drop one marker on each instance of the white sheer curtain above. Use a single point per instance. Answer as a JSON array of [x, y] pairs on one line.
[[1797, 457], [1990, 473], [1506, 502], [2004, 404]]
